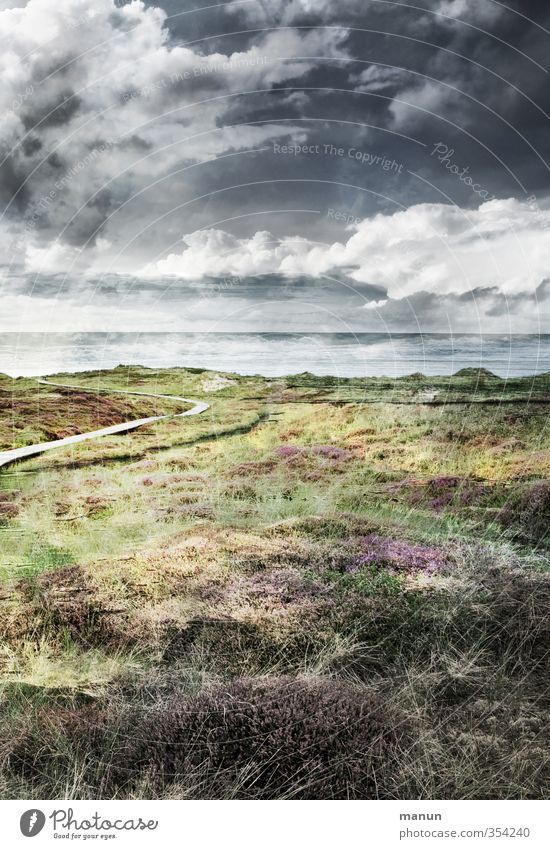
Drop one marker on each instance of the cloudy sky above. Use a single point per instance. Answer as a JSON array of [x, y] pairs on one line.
[[277, 165]]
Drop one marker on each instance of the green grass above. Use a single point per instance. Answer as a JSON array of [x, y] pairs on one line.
[[219, 551]]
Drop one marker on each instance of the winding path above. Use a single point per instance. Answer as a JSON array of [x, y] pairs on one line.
[[15, 454]]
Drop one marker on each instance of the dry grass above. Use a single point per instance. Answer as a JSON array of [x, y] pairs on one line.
[[292, 597]]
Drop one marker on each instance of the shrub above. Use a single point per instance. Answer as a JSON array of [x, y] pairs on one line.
[[398, 556], [69, 600], [447, 491], [288, 451], [266, 738], [527, 515], [280, 588], [332, 452], [8, 510], [517, 623]]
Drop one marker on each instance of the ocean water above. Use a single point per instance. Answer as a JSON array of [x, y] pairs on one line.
[[273, 354]]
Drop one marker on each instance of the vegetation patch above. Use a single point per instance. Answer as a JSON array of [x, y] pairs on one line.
[[318, 588]]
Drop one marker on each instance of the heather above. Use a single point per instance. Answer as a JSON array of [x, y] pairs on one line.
[[397, 556], [319, 588]]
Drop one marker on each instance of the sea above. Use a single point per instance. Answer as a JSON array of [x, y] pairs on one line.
[[275, 354]]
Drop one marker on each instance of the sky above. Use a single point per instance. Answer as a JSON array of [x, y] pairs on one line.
[[275, 165]]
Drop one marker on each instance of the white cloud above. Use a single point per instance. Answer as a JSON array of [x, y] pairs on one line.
[[54, 257], [211, 253], [77, 76], [429, 247], [379, 78], [412, 104], [472, 11]]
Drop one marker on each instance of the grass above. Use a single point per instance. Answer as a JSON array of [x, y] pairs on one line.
[[349, 577], [31, 412]]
